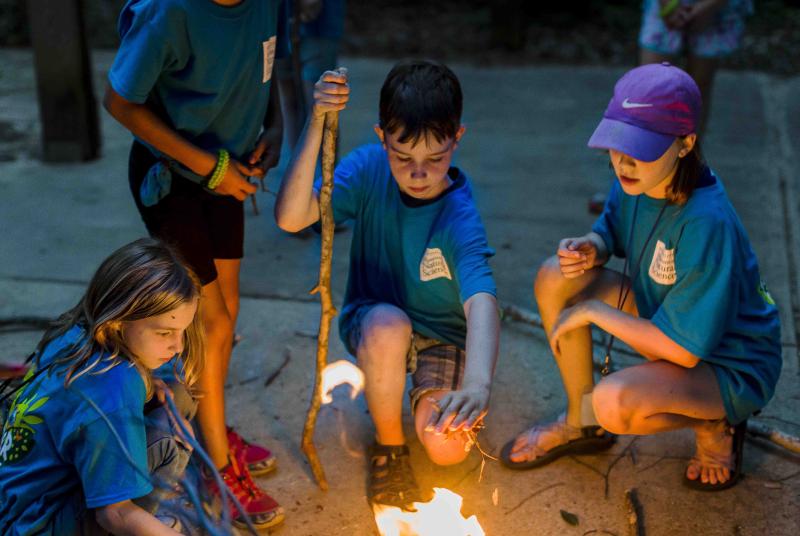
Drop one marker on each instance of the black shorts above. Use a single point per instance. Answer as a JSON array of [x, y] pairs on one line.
[[200, 225]]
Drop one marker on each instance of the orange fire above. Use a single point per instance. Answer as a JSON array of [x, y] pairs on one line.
[[442, 515], [335, 374]]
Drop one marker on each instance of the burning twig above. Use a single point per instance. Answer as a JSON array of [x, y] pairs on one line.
[[634, 512], [441, 515], [336, 374], [324, 289]]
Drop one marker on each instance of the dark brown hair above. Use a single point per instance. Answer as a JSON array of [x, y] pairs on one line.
[[690, 169], [421, 97]]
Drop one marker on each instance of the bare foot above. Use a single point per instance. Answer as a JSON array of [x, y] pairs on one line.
[[714, 457], [540, 438]]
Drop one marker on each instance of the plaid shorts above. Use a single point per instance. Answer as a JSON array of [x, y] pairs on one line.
[[434, 365]]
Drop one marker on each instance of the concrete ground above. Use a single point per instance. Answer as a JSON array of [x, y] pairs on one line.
[[532, 174]]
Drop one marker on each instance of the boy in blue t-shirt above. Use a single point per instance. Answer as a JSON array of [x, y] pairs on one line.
[[420, 294], [191, 81]]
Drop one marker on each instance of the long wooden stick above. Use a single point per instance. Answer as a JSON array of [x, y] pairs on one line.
[[324, 289], [758, 429]]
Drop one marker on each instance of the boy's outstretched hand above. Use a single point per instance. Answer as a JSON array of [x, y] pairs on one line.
[[459, 410], [331, 93], [576, 255]]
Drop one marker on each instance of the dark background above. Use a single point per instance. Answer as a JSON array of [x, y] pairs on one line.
[[500, 31]]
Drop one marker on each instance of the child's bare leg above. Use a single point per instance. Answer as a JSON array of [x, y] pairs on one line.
[[211, 407], [381, 353], [702, 70], [228, 279], [660, 396], [554, 293], [442, 449], [648, 56]]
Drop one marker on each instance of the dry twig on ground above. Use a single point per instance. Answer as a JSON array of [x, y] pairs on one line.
[[758, 429], [634, 508]]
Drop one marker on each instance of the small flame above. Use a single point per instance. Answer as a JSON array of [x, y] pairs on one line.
[[442, 515], [335, 374]]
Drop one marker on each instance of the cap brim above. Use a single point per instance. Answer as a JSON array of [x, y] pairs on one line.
[[631, 140]]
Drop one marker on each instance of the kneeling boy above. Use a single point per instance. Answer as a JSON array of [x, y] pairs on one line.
[[420, 294]]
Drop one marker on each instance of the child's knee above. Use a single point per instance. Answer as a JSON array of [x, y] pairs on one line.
[[613, 405], [443, 450], [218, 329], [385, 325], [547, 277]]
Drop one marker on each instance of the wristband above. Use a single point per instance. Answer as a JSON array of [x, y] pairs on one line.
[[218, 174], [669, 8]]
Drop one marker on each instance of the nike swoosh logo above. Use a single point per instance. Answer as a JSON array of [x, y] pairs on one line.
[[628, 104]]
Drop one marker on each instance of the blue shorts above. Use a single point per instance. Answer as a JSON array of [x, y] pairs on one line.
[[722, 37]]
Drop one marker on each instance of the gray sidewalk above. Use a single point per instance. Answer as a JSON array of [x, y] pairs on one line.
[[532, 174]]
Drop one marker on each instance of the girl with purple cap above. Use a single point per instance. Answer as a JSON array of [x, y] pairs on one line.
[[689, 299]]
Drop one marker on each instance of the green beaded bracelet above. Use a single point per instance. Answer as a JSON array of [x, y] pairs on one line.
[[219, 170], [669, 8]]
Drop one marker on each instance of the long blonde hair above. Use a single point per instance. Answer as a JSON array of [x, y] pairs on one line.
[[142, 279]]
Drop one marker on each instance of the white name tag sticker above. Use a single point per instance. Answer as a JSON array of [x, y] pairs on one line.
[[269, 58], [662, 267], [433, 265]]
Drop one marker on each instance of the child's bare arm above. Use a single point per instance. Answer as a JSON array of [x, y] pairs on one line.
[[462, 409], [145, 124], [297, 205], [124, 518], [640, 334]]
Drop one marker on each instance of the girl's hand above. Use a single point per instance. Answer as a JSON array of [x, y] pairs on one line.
[[576, 255], [331, 93], [235, 183], [571, 318]]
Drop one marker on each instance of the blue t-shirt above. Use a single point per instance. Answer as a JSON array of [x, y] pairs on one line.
[[699, 283], [426, 260], [57, 454], [205, 68]]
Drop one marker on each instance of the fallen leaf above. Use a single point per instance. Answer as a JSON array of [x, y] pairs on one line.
[[569, 517]]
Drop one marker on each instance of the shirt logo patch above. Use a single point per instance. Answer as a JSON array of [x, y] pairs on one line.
[[433, 265], [662, 267], [269, 58]]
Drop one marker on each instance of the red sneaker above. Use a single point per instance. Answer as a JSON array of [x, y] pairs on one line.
[[258, 460], [263, 511]]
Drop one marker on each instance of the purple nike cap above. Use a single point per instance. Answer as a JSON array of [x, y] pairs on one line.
[[652, 105]]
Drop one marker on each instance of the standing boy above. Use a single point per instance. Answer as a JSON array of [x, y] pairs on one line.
[[191, 81], [420, 293]]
